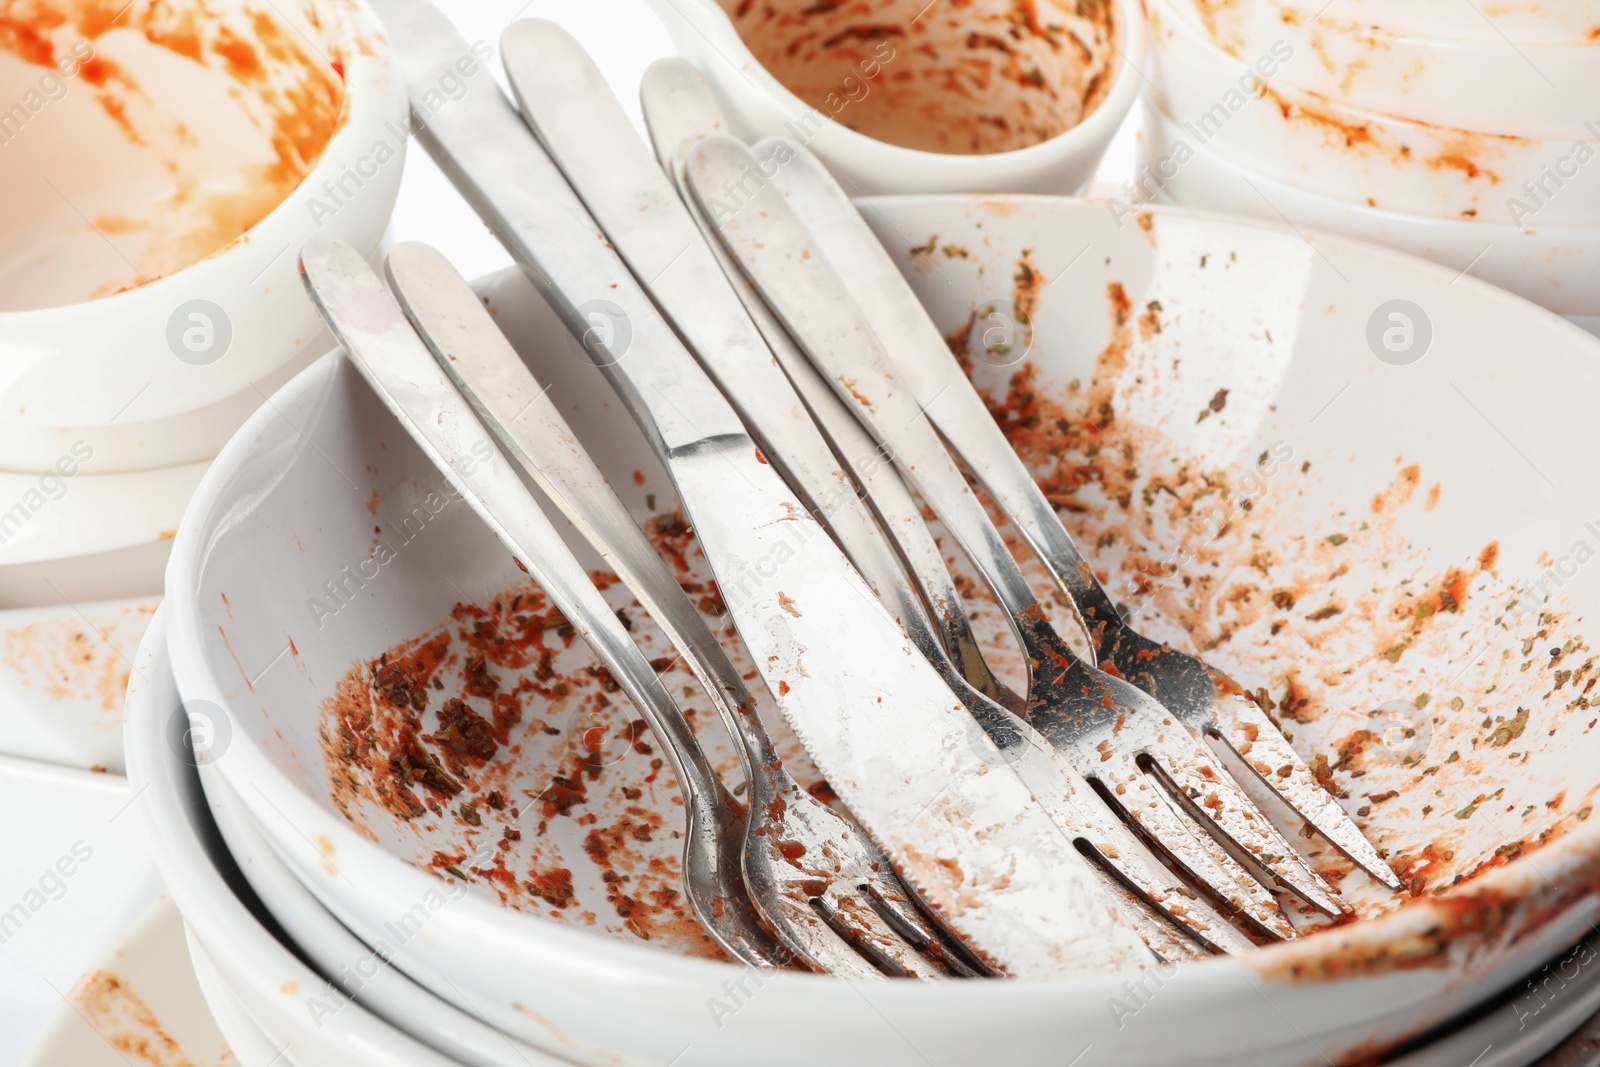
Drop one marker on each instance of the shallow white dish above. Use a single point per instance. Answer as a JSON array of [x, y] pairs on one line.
[[206, 888], [77, 871], [141, 995], [1543, 91], [63, 674], [108, 371], [1557, 267], [759, 106], [88, 536], [1366, 157], [1172, 312]]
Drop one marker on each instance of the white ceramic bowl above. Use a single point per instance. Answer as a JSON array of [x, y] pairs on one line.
[[250, 1047], [377, 986], [280, 601], [1521, 22], [136, 375], [1542, 91], [207, 888], [1366, 157], [758, 105], [1557, 267]]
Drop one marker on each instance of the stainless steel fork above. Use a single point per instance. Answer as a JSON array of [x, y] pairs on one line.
[[823, 887], [1200, 695], [679, 110], [388, 353], [1115, 733]]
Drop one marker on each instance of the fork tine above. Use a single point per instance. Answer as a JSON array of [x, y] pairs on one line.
[[1120, 855], [844, 911], [928, 369], [1141, 799], [1117, 853], [1204, 788], [830, 949], [1164, 939], [897, 911], [1262, 747]]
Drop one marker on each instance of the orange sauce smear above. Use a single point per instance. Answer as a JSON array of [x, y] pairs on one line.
[[298, 90]]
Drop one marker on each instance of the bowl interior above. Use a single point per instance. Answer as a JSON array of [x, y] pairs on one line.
[[146, 137], [979, 77], [1314, 464]]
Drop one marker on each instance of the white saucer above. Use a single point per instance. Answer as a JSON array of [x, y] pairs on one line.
[[63, 674], [141, 994], [88, 536]]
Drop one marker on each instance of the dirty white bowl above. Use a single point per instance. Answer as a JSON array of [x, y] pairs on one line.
[[215, 900], [1234, 353], [380, 988], [159, 375], [1519, 22], [1557, 267], [758, 105], [1366, 156], [1543, 91]]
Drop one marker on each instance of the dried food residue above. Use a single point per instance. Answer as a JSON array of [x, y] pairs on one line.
[[975, 77], [173, 182], [497, 750], [1418, 687], [125, 1021]]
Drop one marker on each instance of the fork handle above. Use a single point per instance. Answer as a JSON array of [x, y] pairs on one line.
[[781, 258], [591, 139], [381, 343], [508, 399], [930, 371], [874, 470], [679, 110]]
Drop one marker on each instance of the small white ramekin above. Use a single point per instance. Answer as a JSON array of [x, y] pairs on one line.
[[104, 373], [759, 106]]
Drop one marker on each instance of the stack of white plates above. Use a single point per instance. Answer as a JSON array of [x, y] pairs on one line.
[[404, 899], [1465, 133]]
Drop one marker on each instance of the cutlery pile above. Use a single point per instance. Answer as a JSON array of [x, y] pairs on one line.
[[803, 402]]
